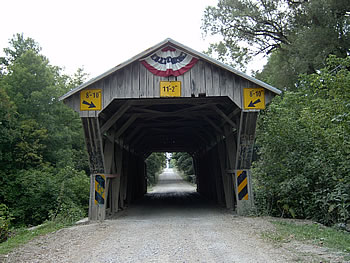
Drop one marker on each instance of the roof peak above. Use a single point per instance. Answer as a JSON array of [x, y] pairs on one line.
[[156, 47]]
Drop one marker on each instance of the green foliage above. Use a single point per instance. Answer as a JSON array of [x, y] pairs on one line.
[[299, 35], [303, 140], [8, 130], [184, 162], [43, 162], [5, 219], [154, 163]]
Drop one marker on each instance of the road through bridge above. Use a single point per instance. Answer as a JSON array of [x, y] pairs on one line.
[[169, 98]]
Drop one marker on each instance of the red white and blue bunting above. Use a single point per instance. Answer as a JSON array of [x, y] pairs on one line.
[[169, 62]]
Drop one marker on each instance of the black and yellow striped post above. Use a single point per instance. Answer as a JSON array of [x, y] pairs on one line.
[[100, 186], [98, 196], [242, 185], [244, 195]]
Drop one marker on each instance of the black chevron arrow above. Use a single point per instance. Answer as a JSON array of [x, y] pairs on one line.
[[252, 104], [91, 105]]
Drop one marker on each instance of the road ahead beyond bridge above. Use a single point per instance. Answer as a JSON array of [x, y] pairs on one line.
[[172, 223]]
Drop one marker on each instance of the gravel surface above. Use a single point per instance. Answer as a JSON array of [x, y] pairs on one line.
[[170, 224]]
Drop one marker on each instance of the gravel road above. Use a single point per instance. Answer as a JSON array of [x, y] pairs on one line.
[[172, 223]]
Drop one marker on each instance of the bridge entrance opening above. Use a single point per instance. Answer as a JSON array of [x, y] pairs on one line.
[[169, 98]]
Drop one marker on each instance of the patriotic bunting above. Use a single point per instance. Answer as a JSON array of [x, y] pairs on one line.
[[169, 62]]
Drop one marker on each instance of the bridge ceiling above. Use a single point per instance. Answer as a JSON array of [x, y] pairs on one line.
[[168, 124]]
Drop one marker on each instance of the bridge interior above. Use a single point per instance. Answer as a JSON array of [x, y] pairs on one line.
[[205, 127]]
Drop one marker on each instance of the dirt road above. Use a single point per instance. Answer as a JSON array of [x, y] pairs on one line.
[[170, 224]]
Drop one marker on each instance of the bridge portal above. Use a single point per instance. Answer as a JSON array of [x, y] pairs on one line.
[[169, 98]]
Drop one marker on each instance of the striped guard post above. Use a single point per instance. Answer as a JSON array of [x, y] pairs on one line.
[[100, 180], [242, 185]]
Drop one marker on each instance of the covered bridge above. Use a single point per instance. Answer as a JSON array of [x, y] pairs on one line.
[[169, 98]]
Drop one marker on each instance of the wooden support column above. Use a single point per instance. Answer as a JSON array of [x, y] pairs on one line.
[[245, 143], [226, 179], [94, 147], [220, 195], [124, 178], [231, 150], [118, 157], [109, 169]]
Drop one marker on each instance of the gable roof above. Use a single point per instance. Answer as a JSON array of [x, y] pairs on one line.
[[166, 42]]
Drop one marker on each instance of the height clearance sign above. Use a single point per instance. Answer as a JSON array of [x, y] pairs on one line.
[[254, 98], [90, 99]]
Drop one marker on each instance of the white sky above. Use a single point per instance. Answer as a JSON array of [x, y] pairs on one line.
[[99, 35]]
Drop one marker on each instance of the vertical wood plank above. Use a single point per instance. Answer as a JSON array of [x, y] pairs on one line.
[[128, 83], [201, 77], [216, 81], [135, 80], [208, 80], [237, 91], [114, 85], [142, 81], [106, 91], [181, 79], [120, 83], [195, 79], [223, 83], [186, 87], [149, 84], [230, 84]]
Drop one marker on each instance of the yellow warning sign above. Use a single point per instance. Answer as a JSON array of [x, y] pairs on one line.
[[90, 99], [254, 98], [170, 88]]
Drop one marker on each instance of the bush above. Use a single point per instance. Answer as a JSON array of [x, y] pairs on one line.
[[304, 151], [67, 213], [5, 220]]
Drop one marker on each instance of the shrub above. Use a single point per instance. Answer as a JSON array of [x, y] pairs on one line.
[[5, 219]]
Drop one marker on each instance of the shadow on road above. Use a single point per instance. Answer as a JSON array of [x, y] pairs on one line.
[[171, 197]]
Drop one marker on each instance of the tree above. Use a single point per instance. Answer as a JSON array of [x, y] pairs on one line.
[[184, 162], [299, 34], [43, 162], [8, 130], [303, 141], [154, 163]]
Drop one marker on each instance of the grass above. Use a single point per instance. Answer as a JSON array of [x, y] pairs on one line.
[[24, 235], [311, 233]]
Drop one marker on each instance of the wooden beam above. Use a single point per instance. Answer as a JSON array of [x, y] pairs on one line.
[[109, 123], [213, 124], [224, 116], [126, 125]]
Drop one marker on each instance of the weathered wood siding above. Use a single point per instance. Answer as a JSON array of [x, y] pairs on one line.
[[135, 81]]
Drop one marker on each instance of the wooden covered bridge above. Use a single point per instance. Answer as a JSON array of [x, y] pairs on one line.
[[169, 98]]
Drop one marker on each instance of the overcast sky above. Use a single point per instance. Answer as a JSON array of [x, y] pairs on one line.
[[99, 35]]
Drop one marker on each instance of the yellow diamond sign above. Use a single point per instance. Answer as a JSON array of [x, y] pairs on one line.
[[254, 98], [90, 99]]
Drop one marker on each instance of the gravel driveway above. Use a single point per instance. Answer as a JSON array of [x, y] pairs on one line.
[[170, 224]]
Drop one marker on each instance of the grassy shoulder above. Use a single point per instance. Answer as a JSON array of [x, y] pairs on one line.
[[24, 235], [316, 234]]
